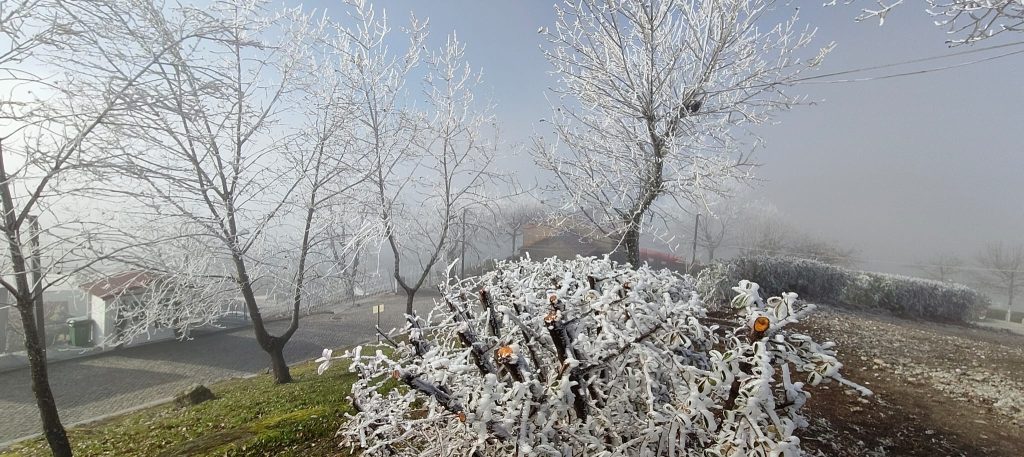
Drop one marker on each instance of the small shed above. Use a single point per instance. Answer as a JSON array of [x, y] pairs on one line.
[[112, 300]]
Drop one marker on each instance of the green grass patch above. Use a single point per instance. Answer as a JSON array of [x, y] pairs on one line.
[[250, 417]]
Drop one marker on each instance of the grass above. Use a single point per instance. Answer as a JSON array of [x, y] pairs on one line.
[[250, 417]]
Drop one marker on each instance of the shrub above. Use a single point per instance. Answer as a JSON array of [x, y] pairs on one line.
[[811, 279], [900, 295], [714, 284], [587, 357]]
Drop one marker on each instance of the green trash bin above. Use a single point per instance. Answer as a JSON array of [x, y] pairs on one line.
[[80, 331]]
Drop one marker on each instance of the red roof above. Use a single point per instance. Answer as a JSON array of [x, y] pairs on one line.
[[648, 254], [118, 284]]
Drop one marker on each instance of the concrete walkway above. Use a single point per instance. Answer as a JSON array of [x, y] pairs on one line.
[[1012, 327], [98, 385]]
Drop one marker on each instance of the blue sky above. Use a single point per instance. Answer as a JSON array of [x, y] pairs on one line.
[[901, 169]]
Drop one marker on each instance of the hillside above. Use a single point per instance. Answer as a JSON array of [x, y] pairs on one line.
[[939, 389]]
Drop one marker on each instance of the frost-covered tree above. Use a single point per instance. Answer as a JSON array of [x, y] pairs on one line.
[[513, 216], [588, 357], [766, 231], [245, 142], [967, 21], [68, 70], [428, 159], [654, 96], [718, 225], [1002, 269], [942, 268]]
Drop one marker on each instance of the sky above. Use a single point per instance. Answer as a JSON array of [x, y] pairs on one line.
[[901, 169]]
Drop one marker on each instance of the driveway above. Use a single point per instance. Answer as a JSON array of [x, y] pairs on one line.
[[90, 387]]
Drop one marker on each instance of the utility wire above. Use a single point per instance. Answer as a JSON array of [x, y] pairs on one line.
[[910, 73], [913, 61], [814, 79]]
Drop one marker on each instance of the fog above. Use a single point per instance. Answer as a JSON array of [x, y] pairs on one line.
[[900, 169], [505, 198]]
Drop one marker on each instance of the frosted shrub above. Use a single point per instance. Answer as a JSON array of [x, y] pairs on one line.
[[914, 297], [811, 279], [900, 295], [714, 284], [589, 358]]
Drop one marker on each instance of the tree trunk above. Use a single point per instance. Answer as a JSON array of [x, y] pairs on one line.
[[37, 282], [410, 294], [1009, 304], [271, 345], [631, 241], [279, 367], [53, 430]]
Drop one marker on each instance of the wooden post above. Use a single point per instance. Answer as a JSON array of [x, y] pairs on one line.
[[462, 259], [693, 256], [1009, 304], [378, 310]]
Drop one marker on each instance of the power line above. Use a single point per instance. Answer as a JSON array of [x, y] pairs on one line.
[[915, 72], [912, 61], [813, 79]]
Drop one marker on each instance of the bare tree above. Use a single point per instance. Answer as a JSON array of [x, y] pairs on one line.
[[245, 142], [514, 216], [1002, 269], [653, 96], [68, 69], [967, 21], [944, 267], [718, 224], [428, 166], [809, 247], [763, 231], [454, 162]]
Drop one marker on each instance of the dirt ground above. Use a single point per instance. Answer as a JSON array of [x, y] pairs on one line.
[[940, 390]]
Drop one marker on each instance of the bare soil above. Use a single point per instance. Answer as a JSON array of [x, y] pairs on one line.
[[939, 390]]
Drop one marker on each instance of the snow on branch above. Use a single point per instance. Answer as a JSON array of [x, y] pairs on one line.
[[655, 101], [589, 357], [968, 20], [976, 20]]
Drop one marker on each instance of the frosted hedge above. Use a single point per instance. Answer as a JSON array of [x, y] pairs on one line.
[[588, 358], [900, 295]]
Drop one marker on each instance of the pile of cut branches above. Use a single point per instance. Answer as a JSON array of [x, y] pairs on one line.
[[588, 357]]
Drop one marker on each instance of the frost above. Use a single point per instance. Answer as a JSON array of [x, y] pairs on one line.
[[588, 357]]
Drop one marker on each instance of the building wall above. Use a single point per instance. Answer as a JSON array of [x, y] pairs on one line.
[[102, 319], [104, 316]]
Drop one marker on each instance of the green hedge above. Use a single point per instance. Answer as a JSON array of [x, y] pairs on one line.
[[900, 295]]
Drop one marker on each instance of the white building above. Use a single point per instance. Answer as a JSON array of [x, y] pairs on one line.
[[112, 299]]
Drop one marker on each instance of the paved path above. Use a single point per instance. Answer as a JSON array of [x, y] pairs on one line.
[[90, 387], [1012, 327]]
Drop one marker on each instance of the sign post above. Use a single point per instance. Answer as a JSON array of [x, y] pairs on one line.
[[378, 310]]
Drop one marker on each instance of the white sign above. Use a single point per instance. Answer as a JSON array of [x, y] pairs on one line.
[[378, 309]]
